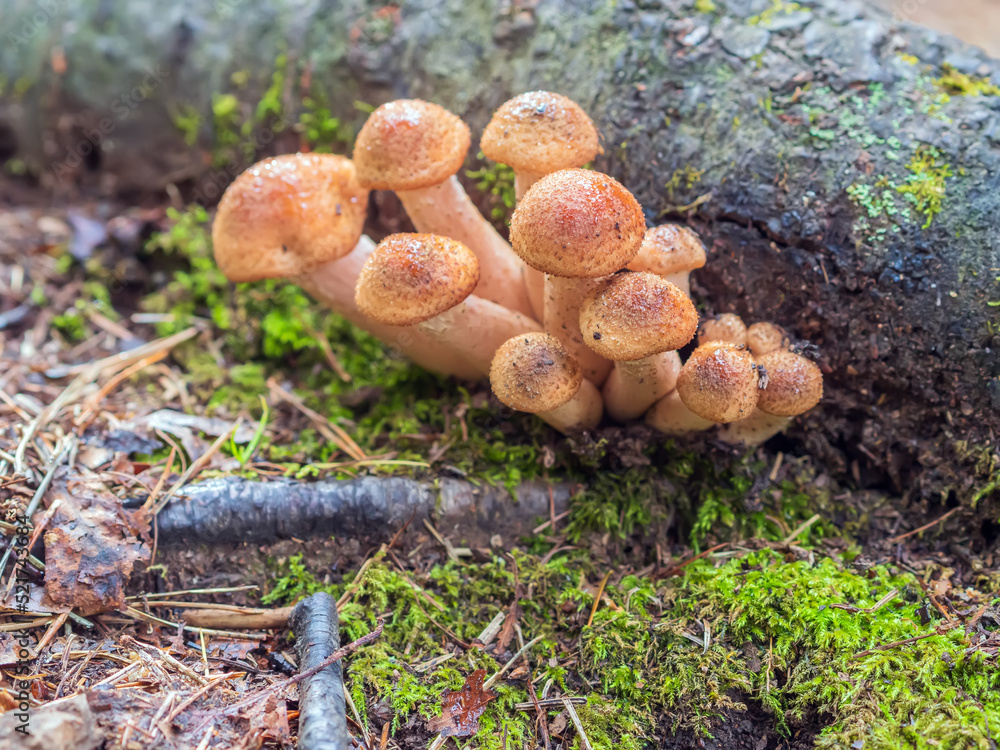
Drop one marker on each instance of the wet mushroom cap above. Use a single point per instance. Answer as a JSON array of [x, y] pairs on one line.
[[637, 315], [410, 278], [533, 373], [669, 249], [540, 132], [719, 382], [576, 223], [410, 144], [726, 327], [794, 384], [764, 337], [288, 214]]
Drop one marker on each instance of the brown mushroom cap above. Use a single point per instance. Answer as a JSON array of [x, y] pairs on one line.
[[764, 337], [637, 315], [410, 144], [719, 382], [533, 373], [576, 223], [727, 327], [540, 132], [410, 278], [794, 384], [668, 249], [288, 214]]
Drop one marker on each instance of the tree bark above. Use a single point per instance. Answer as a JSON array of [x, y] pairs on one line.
[[810, 145]]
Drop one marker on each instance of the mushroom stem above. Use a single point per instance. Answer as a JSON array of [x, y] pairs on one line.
[[681, 280], [582, 412], [333, 284], [670, 416], [446, 209], [755, 429], [476, 328], [534, 284], [563, 299], [634, 386], [524, 180]]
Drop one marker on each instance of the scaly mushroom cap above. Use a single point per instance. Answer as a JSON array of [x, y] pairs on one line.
[[764, 337], [668, 249], [726, 327], [533, 373], [410, 278], [719, 382], [540, 132], [410, 144], [794, 384], [576, 223], [288, 214], [637, 315]]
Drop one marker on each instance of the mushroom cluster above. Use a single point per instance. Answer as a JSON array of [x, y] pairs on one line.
[[582, 313]]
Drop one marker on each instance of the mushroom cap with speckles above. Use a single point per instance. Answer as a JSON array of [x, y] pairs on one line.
[[764, 337], [540, 132], [288, 214], [637, 315], [667, 249], [410, 144], [794, 384], [410, 278], [727, 327], [576, 223], [533, 373], [719, 382]]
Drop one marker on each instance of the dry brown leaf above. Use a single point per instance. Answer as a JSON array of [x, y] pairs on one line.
[[461, 709]]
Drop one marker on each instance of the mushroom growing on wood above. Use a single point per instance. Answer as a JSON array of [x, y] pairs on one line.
[[726, 327], [794, 386], [534, 373], [415, 148], [638, 320], [719, 382], [537, 133], [426, 281], [300, 217], [578, 227], [670, 251]]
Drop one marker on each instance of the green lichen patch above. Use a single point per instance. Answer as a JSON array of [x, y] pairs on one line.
[[955, 83], [926, 184], [859, 655]]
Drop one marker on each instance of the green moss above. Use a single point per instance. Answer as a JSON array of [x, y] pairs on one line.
[[497, 181], [955, 83], [925, 187], [704, 6]]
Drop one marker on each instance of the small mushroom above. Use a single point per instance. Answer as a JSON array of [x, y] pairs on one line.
[[638, 320], [534, 373], [719, 382], [426, 281], [763, 338], [300, 217], [415, 148], [794, 386], [670, 251], [726, 327], [578, 227], [671, 416]]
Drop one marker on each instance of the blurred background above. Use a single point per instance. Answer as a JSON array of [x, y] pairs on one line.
[[975, 21]]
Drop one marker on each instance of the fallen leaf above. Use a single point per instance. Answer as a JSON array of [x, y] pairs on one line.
[[461, 709]]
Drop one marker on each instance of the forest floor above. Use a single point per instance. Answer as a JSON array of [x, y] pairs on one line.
[[693, 595]]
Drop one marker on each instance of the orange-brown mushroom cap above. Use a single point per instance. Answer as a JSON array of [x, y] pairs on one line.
[[668, 249], [540, 132], [410, 144], [764, 337], [727, 327], [794, 384], [288, 214], [719, 382], [410, 278], [533, 373], [637, 315], [576, 223]]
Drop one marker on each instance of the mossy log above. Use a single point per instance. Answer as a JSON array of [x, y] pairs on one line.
[[844, 168]]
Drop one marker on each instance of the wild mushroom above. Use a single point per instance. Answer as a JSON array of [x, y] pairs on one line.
[[726, 327], [578, 227], [300, 217], [534, 373], [670, 251], [415, 148], [671, 416], [537, 133], [794, 386], [638, 320], [763, 338], [426, 281]]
